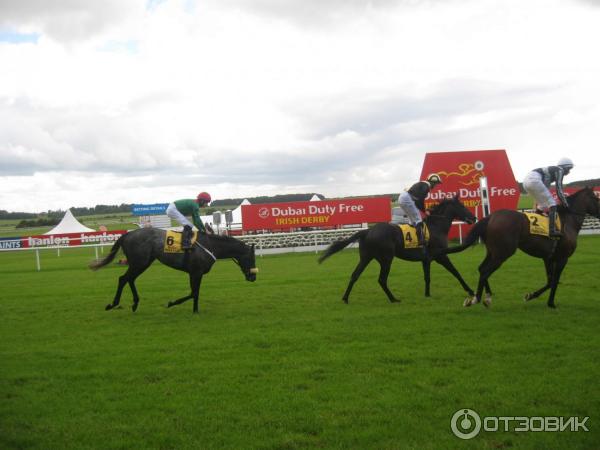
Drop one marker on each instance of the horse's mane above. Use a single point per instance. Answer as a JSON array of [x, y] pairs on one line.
[[222, 238], [438, 207], [573, 197]]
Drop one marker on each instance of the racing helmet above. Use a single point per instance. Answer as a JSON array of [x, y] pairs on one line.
[[203, 197], [566, 163], [434, 179]]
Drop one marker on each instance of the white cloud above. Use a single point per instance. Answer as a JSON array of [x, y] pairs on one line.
[[147, 100]]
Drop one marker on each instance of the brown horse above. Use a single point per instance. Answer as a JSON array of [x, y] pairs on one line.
[[505, 230]]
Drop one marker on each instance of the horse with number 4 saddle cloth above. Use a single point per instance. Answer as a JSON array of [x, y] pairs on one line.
[[409, 234]]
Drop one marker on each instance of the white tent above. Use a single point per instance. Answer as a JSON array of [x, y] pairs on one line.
[[69, 224], [315, 198]]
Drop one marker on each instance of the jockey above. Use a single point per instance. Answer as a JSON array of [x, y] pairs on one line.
[[537, 182], [413, 200], [179, 209]]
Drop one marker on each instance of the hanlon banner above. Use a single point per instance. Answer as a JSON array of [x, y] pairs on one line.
[[69, 239], [324, 213], [460, 173]]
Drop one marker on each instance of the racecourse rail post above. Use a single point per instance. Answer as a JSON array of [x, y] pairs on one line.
[[485, 198]]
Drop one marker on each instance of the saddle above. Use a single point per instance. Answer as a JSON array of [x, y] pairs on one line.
[[540, 225], [409, 234], [173, 241]]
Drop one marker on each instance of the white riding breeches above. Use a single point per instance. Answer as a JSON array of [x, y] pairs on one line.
[[174, 214], [535, 187], [407, 204]]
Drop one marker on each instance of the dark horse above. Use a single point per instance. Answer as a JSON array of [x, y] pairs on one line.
[[505, 230], [384, 241], [143, 246]]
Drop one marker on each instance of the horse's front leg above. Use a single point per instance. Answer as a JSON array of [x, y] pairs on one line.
[[548, 263], [447, 264], [556, 272], [195, 281], [427, 275]]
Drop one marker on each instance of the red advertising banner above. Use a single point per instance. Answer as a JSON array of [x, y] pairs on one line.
[[93, 237], [323, 213], [460, 173]]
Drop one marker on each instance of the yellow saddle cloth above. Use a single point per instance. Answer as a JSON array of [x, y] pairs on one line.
[[540, 225], [173, 241], [409, 233]]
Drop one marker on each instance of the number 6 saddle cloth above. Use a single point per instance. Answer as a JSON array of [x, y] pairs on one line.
[[173, 241], [409, 233], [539, 224]]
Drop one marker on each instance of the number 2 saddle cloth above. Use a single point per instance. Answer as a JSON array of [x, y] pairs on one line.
[[173, 241], [409, 233], [540, 225]]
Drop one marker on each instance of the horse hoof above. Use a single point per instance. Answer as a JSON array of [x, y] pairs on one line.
[[469, 301], [134, 307], [487, 302], [108, 307], [345, 300], [169, 305]]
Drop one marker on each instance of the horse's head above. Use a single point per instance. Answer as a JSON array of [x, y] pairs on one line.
[[454, 209], [247, 262], [585, 201]]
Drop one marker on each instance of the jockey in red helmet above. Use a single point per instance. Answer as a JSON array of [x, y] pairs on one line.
[[179, 209]]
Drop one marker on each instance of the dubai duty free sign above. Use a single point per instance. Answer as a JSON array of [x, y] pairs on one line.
[[460, 173]]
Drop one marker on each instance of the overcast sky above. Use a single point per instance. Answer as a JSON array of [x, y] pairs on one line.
[[144, 101]]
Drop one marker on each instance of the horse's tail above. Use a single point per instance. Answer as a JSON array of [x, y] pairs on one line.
[[341, 244], [478, 231], [98, 263]]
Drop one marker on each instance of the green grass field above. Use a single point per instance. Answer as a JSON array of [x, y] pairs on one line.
[[282, 363]]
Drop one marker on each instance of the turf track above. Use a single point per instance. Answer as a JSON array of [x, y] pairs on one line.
[[282, 363]]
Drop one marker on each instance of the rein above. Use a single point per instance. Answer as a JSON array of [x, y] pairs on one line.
[[206, 250]]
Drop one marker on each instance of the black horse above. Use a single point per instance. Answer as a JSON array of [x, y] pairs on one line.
[[384, 241], [505, 230], [143, 246]]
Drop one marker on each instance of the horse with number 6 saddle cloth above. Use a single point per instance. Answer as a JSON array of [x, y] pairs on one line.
[[409, 234], [540, 224], [173, 241]]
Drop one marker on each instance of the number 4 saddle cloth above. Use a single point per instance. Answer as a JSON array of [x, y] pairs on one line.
[[409, 233], [173, 241], [539, 224]]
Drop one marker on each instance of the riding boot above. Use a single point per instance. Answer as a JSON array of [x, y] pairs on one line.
[[421, 237], [553, 231], [186, 237]]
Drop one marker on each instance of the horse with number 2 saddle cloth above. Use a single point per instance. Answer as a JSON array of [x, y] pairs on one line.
[[540, 224]]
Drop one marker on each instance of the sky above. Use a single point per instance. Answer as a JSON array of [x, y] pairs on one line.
[[149, 101]]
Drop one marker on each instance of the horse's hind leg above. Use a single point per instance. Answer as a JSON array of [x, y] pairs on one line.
[[123, 279], [384, 272], [489, 265], [362, 264]]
